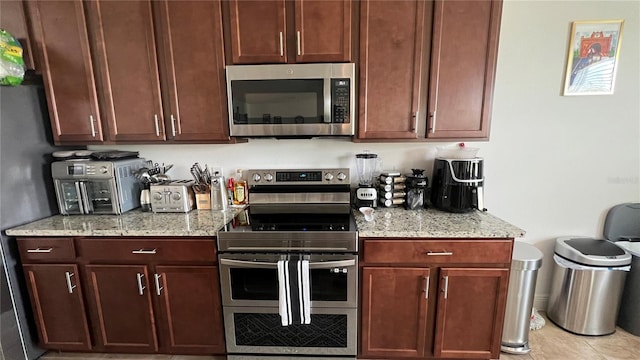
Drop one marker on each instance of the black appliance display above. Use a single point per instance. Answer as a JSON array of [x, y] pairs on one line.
[[458, 185], [294, 214]]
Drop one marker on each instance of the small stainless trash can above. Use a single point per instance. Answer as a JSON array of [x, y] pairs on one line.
[[526, 261], [587, 283]]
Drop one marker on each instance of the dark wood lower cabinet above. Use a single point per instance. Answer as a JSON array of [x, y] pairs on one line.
[[190, 309], [120, 301], [56, 299]]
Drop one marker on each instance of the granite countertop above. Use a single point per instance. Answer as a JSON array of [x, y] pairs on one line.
[[131, 223], [432, 223], [387, 222]]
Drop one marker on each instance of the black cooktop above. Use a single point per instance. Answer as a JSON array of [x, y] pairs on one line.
[[292, 222]]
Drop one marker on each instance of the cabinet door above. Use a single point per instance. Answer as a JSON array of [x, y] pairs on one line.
[[470, 312], [62, 43], [394, 312], [323, 30], [393, 66], [193, 70], [13, 20], [120, 299], [464, 53], [190, 309], [258, 31], [125, 47], [56, 299]]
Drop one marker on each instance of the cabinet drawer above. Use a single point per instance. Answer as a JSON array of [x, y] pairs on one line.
[[47, 249], [137, 250], [437, 251]]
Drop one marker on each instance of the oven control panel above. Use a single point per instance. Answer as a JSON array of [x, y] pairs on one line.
[[299, 177]]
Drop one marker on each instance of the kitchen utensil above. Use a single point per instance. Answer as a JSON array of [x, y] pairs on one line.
[[367, 212], [367, 165]]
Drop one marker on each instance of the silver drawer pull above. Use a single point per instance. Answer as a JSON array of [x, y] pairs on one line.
[[158, 287], [70, 286], [39, 250], [426, 288], [141, 287], [144, 251], [439, 253], [446, 286]]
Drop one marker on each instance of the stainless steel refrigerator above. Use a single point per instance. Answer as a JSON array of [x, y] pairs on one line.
[[26, 194]]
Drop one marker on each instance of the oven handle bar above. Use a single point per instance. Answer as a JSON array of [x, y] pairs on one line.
[[262, 248], [273, 265]]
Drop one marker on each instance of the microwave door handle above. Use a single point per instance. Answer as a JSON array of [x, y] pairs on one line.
[[79, 197], [85, 198], [249, 264]]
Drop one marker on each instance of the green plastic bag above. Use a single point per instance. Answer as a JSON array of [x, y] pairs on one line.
[[11, 61]]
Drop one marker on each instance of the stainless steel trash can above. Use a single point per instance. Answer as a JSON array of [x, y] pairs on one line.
[[587, 283], [629, 315], [526, 261]]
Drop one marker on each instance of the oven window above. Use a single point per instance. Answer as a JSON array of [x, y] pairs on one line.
[[292, 101], [325, 330], [262, 284]]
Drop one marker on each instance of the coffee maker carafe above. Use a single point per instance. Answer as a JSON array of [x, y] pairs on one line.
[[366, 165], [416, 190], [458, 185]]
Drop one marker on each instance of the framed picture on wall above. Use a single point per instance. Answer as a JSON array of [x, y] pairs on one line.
[[592, 61]]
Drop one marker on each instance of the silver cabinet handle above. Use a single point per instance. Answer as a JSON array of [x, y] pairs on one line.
[[298, 42], [141, 287], [158, 287], [155, 118], [439, 253], [144, 251], [70, 286], [173, 125], [446, 286], [426, 288], [281, 44], [38, 250], [93, 127], [432, 115]]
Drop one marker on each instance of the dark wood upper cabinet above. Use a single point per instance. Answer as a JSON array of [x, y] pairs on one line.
[[13, 20], [62, 47], [464, 53], [470, 313], [279, 31], [58, 306], [394, 38], [127, 65], [192, 69]]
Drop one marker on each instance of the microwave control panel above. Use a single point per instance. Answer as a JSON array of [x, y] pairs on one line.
[[340, 100]]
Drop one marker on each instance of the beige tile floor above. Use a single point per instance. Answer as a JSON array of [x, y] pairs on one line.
[[548, 343]]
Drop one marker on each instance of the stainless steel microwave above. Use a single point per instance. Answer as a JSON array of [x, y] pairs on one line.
[[291, 100]]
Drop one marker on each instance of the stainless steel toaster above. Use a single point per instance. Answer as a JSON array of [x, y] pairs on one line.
[[172, 196]]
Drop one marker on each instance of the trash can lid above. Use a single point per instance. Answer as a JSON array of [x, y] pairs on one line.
[[594, 252], [622, 222], [525, 256], [631, 247]]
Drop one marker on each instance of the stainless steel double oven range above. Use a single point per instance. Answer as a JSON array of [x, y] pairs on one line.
[[293, 214]]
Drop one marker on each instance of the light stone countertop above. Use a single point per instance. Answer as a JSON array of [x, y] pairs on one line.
[[131, 223], [432, 223], [387, 222]]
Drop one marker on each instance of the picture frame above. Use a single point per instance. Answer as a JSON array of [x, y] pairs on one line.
[[592, 61]]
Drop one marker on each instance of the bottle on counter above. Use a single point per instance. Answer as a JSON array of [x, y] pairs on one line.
[[240, 192]]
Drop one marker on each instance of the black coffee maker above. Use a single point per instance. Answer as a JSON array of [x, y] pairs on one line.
[[416, 190], [458, 185]]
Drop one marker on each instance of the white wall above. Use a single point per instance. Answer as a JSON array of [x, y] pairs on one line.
[[554, 164]]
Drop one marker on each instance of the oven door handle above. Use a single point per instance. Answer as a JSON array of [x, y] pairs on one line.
[[272, 265]]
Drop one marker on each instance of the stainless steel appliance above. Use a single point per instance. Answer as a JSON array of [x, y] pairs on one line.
[[293, 214], [458, 184], [172, 196], [291, 100], [96, 187]]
